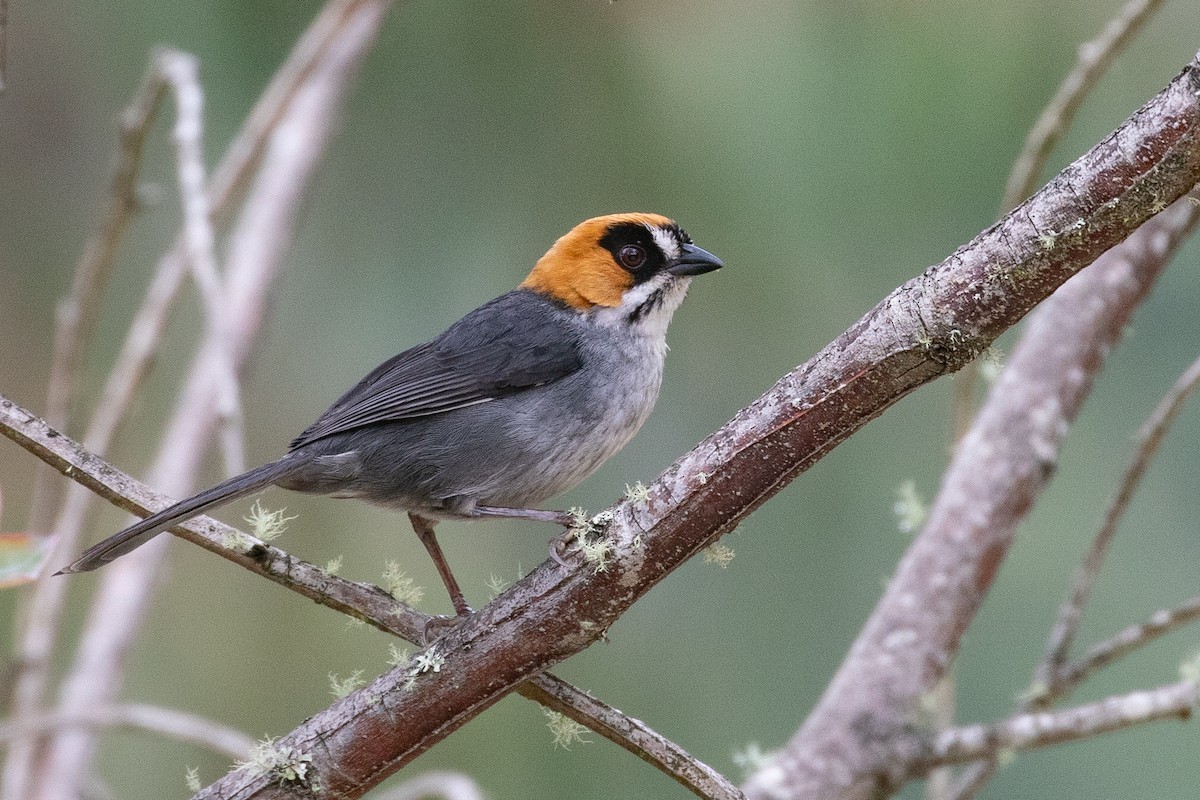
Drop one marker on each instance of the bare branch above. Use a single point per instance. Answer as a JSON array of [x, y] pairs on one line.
[[1121, 644], [181, 71], [931, 325], [1149, 438], [1095, 57], [77, 316], [1154, 243], [631, 734], [361, 601], [995, 477], [172, 723], [141, 344], [257, 248], [1040, 729], [78, 312]]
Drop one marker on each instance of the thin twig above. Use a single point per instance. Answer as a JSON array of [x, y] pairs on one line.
[[631, 734], [79, 311], [1155, 242], [172, 723], [361, 601], [182, 72], [256, 256], [1150, 436], [1094, 59], [76, 318], [1121, 644], [1043, 728]]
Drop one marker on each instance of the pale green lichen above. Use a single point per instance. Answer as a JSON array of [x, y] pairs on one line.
[[637, 493], [719, 554], [283, 763], [397, 655], [565, 730], [751, 758], [267, 525], [400, 586], [340, 687], [910, 508]]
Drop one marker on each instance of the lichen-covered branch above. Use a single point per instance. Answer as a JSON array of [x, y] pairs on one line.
[[927, 327], [361, 601], [1043, 728], [860, 737]]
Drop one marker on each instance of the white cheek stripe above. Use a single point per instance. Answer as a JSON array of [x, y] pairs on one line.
[[666, 242]]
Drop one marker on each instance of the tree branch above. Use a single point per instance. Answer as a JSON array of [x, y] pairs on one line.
[[1048, 674], [859, 736], [1149, 248], [257, 248], [168, 722], [931, 325], [361, 601], [1040, 729]]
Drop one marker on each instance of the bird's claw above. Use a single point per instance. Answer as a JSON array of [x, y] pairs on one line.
[[440, 624], [560, 546]]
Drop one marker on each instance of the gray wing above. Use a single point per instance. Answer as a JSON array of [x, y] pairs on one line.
[[517, 341]]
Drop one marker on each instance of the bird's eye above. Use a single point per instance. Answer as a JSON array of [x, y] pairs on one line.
[[632, 256]]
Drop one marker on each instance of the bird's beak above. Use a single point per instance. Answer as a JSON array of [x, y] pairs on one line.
[[694, 261]]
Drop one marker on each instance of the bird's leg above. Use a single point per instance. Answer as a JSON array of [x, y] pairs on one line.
[[557, 517], [559, 545], [424, 530]]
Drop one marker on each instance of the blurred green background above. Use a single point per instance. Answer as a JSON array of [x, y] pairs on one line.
[[827, 151]]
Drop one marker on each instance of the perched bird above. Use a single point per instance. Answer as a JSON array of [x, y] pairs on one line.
[[519, 400]]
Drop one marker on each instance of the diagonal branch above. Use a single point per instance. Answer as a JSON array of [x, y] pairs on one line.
[[993, 481], [258, 245], [1121, 644], [1043, 728], [1147, 251], [1047, 675], [931, 325], [361, 601]]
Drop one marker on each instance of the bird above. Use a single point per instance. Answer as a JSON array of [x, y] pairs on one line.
[[520, 400]]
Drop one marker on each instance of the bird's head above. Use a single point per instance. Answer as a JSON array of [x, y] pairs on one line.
[[637, 265]]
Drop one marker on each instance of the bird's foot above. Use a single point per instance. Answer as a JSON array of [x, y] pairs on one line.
[[563, 546], [441, 624]]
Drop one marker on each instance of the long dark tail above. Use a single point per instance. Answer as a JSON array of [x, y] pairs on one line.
[[138, 534]]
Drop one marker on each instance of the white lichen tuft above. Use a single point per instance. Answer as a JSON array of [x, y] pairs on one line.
[[267, 525], [910, 508], [429, 661], [565, 730], [340, 687], [638, 493], [719, 554], [400, 586], [283, 763]]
